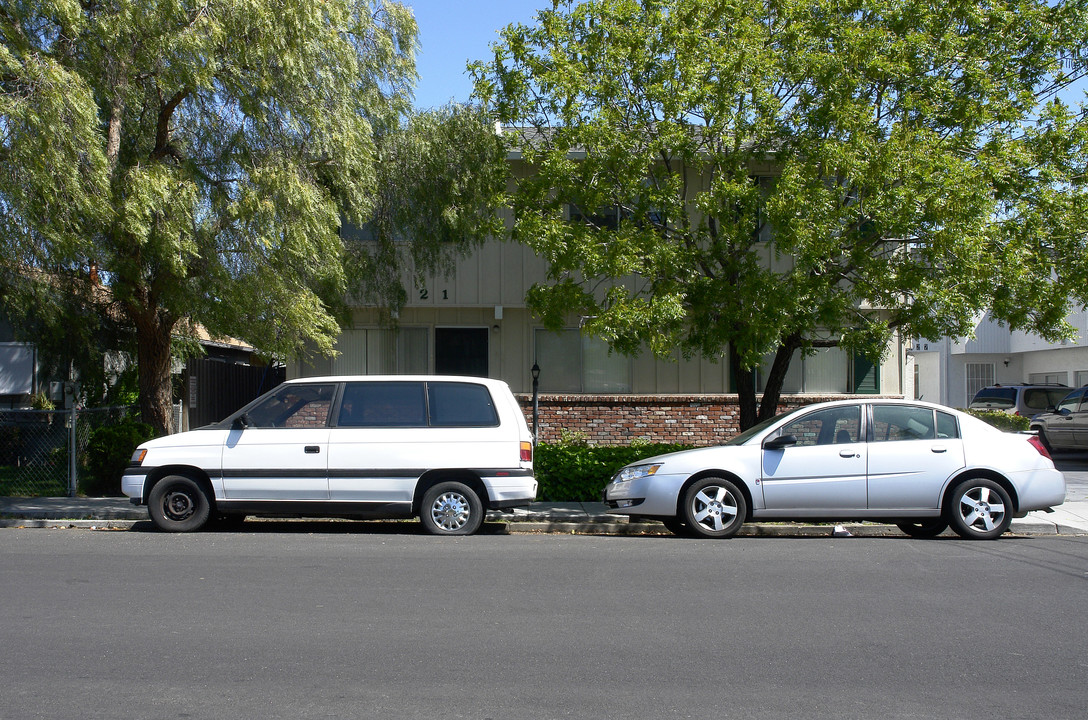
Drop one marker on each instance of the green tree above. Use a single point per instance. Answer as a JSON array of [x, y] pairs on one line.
[[184, 163], [766, 177]]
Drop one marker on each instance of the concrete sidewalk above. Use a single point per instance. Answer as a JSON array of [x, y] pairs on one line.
[[587, 518]]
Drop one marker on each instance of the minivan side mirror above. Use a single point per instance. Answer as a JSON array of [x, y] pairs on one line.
[[780, 442]]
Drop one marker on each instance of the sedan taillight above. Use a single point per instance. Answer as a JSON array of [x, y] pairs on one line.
[[1038, 445]]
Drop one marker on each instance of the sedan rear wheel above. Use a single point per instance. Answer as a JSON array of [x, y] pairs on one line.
[[980, 509], [714, 508], [922, 528]]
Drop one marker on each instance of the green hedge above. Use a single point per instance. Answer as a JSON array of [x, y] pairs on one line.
[[576, 472], [108, 454], [1001, 420]]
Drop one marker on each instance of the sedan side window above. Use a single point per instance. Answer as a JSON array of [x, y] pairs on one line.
[[947, 427], [902, 422], [836, 425]]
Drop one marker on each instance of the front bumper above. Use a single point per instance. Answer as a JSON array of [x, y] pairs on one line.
[[133, 482]]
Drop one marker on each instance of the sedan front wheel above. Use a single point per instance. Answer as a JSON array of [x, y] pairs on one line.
[[714, 508]]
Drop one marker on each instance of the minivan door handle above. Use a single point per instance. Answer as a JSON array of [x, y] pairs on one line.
[[312, 449]]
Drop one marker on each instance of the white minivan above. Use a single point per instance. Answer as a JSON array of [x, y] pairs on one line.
[[447, 449]]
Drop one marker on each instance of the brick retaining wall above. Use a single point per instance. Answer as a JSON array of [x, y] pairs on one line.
[[620, 419]]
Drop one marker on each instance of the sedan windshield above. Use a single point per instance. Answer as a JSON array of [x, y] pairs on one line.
[[759, 427]]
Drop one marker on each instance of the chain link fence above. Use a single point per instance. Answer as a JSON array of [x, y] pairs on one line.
[[42, 452]]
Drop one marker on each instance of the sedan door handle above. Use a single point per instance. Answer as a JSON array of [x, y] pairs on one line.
[[939, 448], [312, 449], [848, 454]]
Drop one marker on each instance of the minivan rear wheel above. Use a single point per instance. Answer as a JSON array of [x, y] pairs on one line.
[[451, 508]]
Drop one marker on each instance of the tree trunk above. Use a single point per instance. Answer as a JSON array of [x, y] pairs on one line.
[[772, 390], [156, 390], [751, 410], [745, 380]]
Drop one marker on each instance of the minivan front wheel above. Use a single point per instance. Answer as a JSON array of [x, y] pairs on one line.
[[451, 508], [178, 504]]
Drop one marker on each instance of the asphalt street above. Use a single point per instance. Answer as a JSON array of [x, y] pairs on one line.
[[288, 623]]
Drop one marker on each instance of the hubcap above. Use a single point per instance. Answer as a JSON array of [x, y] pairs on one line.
[[981, 509], [714, 508], [178, 505], [451, 511]]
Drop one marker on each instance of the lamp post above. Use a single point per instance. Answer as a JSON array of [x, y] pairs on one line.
[[536, 397]]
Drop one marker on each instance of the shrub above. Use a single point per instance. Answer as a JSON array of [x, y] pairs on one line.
[[1000, 420], [572, 471], [108, 453]]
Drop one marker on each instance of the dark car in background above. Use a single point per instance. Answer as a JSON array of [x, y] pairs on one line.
[[1066, 427], [1026, 400]]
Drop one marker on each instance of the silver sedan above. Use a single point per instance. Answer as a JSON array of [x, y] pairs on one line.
[[924, 467]]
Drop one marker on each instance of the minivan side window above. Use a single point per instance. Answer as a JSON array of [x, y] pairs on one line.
[[455, 404], [293, 406], [383, 404]]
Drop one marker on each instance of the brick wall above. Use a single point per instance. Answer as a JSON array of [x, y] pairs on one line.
[[619, 419]]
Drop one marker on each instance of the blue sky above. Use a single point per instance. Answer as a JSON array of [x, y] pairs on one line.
[[452, 33]]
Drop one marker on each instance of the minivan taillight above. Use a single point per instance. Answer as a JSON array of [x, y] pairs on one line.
[[526, 452], [1038, 445]]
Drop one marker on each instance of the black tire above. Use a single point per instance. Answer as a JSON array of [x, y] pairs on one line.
[[676, 526], [922, 528], [979, 509], [178, 504], [714, 508], [451, 508], [229, 521]]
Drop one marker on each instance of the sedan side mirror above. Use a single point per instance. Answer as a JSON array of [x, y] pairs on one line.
[[780, 442], [241, 422]]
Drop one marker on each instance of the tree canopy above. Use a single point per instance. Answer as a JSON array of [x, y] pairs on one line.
[[759, 178], [191, 163]]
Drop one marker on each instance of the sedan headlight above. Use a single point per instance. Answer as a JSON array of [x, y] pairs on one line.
[[633, 472]]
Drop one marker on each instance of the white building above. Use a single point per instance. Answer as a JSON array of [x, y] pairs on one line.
[[950, 371]]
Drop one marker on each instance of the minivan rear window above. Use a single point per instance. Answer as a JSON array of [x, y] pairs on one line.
[[997, 397], [416, 404], [456, 404]]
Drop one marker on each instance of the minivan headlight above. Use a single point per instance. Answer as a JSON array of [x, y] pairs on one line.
[[634, 472]]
